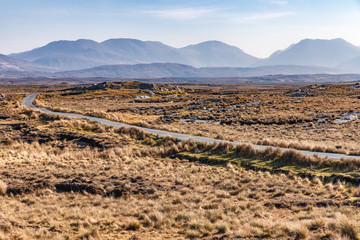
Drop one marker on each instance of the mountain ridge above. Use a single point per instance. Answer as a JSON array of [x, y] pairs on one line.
[[12, 64], [314, 52], [306, 56], [85, 53]]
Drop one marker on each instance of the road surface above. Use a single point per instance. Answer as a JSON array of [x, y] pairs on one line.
[[28, 101]]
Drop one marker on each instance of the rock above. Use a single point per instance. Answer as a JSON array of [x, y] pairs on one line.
[[226, 122], [297, 94], [147, 86], [165, 117], [215, 100], [2, 95], [321, 120], [347, 118], [140, 97], [253, 103], [192, 107], [353, 88]]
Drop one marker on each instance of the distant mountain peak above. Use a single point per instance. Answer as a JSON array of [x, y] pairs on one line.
[[315, 52], [212, 43], [217, 54], [121, 40]]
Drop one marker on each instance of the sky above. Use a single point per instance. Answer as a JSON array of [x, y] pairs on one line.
[[258, 27]]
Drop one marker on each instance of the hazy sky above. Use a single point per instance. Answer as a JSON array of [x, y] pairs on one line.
[[259, 27]]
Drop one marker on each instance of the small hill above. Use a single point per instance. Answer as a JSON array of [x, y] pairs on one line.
[[153, 70], [161, 70]]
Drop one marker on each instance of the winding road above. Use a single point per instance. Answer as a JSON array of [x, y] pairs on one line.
[[28, 101]]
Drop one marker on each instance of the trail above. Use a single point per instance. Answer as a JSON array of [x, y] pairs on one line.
[[28, 101]]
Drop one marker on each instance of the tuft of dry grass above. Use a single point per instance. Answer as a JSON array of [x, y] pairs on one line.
[[3, 187], [349, 229], [92, 234], [133, 225], [297, 230]]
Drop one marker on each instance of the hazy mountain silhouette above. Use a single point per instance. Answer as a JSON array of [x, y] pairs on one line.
[[351, 66], [70, 55], [307, 56], [215, 54], [143, 51], [12, 64], [314, 52]]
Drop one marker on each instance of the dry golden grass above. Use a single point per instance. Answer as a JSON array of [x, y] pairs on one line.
[[71, 179], [3, 188], [188, 200]]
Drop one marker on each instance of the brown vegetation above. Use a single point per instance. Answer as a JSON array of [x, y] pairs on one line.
[[66, 178], [259, 116]]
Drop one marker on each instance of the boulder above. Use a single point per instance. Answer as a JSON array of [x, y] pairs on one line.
[[297, 94], [147, 86]]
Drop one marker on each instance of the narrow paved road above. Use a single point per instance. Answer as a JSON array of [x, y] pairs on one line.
[[28, 101]]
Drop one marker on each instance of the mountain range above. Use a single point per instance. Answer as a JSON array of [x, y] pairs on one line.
[[134, 58], [82, 53]]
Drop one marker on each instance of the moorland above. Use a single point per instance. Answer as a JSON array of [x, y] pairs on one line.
[[64, 178], [318, 117]]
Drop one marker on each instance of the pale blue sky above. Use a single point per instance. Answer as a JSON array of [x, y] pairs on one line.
[[259, 27]]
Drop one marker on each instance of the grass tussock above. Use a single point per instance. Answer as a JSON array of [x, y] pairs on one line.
[[3, 188], [303, 146], [293, 157]]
